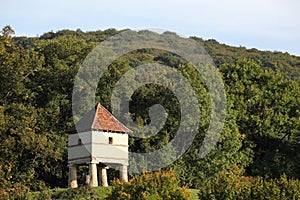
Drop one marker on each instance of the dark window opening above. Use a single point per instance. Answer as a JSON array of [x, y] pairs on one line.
[[110, 140]]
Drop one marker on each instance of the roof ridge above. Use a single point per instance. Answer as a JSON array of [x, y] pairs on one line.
[[99, 118], [109, 126]]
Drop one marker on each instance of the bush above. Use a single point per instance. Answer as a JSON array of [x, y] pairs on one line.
[[281, 188], [156, 185], [44, 194], [232, 185], [83, 192], [15, 191]]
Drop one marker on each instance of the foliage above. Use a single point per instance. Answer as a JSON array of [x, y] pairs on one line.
[[288, 65], [268, 112], [232, 185], [260, 135], [17, 66], [14, 191], [28, 149], [156, 185], [233, 148], [83, 192]]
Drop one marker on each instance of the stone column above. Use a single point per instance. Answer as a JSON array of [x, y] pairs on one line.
[[93, 175], [72, 176], [103, 176], [123, 173], [87, 179]]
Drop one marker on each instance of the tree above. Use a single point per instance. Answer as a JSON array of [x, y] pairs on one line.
[[268, 112], [16, 66]]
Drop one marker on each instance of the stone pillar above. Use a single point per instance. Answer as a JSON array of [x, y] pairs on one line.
[[87, 179], [123, 173], [93, 175], [72, 176], [103, 176]]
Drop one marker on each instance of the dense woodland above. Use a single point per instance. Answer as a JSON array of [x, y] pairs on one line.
[[261, 135]]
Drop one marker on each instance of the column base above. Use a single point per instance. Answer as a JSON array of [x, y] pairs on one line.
[[73, 177], [73, 184], [104, 177], [123, 173], [93, 175]]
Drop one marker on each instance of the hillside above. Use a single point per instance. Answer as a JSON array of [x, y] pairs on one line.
[[287, 64], [260, 136]]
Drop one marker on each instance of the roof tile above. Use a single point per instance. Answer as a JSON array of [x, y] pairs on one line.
[[99, 118]]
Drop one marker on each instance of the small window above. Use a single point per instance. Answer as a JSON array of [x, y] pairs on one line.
[[79, 142], [110, 140]]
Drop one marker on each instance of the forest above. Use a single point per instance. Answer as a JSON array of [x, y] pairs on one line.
[[260, 140]]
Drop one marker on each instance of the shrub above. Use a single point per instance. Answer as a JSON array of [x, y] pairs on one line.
[[281, 188], [15, 191], [83, 192], [156, 185], [232, 185], [43, 194]]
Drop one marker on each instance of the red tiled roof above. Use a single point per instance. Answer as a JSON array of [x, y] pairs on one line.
[[99, 118]]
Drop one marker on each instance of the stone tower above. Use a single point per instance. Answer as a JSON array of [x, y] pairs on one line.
[[100, 140]]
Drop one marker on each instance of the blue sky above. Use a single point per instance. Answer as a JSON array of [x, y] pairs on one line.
[[265, 24]]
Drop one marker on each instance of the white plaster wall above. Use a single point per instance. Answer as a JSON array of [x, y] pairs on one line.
[[76, 151], [86, 137], [102, 148], [110, 151], [79, 151], [96, 144], [102, 137]]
